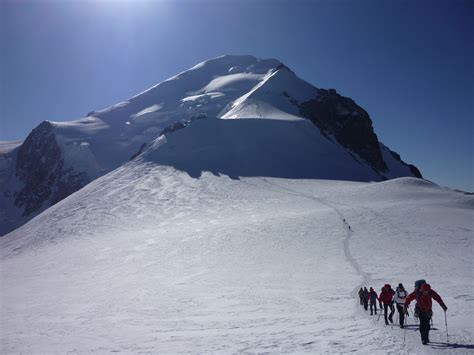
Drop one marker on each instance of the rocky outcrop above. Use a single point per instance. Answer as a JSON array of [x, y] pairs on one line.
[[347, 122], [40, 167], [414, 170]]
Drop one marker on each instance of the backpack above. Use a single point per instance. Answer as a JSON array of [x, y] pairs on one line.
[[418, 284], [400, 295], [373, 296], [417, 311]]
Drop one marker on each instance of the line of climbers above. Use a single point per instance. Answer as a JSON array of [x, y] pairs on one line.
[[423, 294]]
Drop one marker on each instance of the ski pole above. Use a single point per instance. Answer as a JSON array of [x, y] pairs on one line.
[[446, 323]]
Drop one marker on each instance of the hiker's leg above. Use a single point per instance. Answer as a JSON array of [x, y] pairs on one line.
[[401, 315], [385, 311], [424, 326]]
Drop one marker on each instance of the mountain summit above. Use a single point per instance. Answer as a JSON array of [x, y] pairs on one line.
[[231, 115]]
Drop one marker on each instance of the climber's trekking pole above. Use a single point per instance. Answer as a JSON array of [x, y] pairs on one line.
[[446, 322], [404, 331]]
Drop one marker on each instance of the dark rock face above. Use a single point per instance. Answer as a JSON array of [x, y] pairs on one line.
[[40, 167], [414, 170], [140, 151], [351, 125]]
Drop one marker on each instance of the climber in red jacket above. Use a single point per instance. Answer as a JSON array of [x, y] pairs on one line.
[[386, 297], [423, 297]]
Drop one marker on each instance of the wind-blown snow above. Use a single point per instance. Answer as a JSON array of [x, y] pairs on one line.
[[8, 146], [148, 258], [232, 82], [148, 110]]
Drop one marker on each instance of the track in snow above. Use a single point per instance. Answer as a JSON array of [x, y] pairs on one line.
[[349, 232]]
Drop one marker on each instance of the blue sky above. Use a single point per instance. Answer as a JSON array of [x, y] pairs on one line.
[[408, 63]]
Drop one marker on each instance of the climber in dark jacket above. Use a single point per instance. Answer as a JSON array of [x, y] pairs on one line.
[[366, 298], [361, 296], [373, 298]]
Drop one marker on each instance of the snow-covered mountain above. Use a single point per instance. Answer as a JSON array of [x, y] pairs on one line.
[[308, 132], [232, 208]]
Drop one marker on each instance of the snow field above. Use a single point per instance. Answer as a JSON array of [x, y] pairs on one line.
[[147, 258]]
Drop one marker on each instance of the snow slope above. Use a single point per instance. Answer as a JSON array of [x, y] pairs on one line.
[[116, 133], [185, 253], [255, 147]]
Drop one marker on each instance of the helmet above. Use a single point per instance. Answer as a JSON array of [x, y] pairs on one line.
[[418, 283]]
